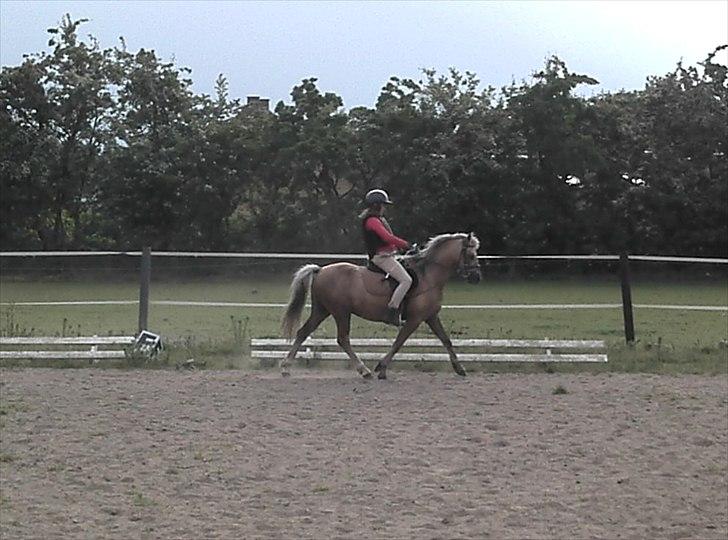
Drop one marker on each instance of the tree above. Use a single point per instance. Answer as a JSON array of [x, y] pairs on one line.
[[55, 115], [113, 149], [685, 115], [300, 191], [559, 151], [143, 188]]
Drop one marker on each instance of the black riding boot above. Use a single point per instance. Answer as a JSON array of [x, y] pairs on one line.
[[393, 317]]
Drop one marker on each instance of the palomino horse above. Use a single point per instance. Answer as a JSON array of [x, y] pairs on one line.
[[343, 289]]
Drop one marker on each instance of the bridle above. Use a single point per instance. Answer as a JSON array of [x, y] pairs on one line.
[[469, 270], [466, 269]]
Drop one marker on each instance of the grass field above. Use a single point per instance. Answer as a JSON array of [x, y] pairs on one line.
[[690, 337]]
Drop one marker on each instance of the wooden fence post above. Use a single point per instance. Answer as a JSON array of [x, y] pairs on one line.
[[625, 278], [144, 281]]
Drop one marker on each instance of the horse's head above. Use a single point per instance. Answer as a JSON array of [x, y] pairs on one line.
[[468, 266], [454, 252]]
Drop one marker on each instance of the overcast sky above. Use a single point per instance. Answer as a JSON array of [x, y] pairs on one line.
[[265, 48]]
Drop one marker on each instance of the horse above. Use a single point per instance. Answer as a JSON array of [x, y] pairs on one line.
[[342, 289]]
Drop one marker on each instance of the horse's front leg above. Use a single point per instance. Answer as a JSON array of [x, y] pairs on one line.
[[404, 332], [436, 326]]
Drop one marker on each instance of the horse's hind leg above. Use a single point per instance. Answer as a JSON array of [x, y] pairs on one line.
[[343, 323], [318, 314]]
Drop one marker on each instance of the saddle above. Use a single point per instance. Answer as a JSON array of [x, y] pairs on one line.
[[390, 280], [378, 283]]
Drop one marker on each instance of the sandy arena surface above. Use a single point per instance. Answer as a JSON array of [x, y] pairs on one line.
[[165, 454]]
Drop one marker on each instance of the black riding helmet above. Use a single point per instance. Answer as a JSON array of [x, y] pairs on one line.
[[377, 196]]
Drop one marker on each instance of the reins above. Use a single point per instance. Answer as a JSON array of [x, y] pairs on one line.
[[460, 268]]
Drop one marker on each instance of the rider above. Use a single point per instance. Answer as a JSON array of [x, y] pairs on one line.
[[382, 245]]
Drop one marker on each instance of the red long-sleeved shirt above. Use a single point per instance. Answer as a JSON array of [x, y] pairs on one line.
[[374, 224]]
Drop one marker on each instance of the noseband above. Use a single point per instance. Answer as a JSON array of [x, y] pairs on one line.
[[467, 270]]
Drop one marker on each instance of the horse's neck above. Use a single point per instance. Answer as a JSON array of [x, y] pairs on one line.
[[443, 265]]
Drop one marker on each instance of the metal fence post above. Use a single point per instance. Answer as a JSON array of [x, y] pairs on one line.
[[144, 281], [625, 278]]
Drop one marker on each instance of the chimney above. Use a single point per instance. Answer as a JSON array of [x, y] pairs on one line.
[[258, 103]]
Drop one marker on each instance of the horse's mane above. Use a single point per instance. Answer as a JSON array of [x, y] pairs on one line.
[[427, 253]]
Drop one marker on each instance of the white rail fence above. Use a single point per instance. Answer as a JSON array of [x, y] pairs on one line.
[[64, 348], [418, 350], [92, 348]]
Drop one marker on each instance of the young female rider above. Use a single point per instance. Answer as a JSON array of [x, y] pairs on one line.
[[381, 246]]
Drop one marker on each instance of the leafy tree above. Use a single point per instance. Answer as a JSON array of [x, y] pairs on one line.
[[685, 115], [558, 153], [301, 191], [112, 149], [55, 114], [143, 187]]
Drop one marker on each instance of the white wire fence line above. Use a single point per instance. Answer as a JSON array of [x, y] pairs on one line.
[[350, 256], [146, 256], [185, 303]]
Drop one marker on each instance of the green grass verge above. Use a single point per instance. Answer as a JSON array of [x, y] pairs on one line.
[[668, 341]]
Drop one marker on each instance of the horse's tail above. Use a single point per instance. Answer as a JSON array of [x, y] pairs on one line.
[[299, 288]]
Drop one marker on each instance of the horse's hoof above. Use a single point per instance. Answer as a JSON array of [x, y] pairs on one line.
[[285, 374], [379, 367], [459, 370], [382, 375], [367, 375]]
